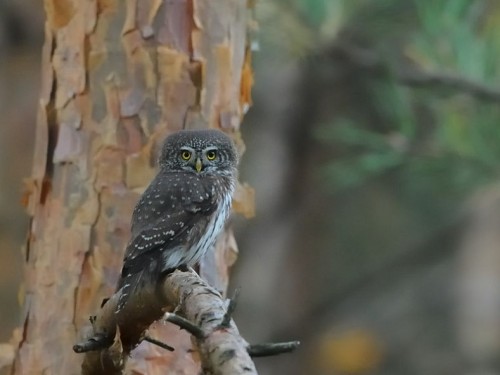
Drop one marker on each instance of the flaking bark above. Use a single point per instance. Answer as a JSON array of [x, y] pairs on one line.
[[117, 76]]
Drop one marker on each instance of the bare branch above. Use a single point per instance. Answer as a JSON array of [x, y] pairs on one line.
[[185, 324], [92, 344], [412, 76], [158, 343], [226, 320]]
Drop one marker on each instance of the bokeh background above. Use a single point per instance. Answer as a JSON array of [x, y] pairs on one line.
[[374, 148]]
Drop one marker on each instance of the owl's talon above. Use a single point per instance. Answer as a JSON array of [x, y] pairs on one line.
[[183, 268]]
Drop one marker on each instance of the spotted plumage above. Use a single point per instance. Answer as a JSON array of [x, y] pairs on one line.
[[182, 211]]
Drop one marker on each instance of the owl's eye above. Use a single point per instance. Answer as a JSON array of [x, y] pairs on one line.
[[186, 155], [211, 155]]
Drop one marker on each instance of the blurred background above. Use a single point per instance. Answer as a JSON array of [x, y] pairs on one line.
[[374, 148]]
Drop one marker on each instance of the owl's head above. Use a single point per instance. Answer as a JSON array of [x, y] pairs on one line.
[[207, 152]]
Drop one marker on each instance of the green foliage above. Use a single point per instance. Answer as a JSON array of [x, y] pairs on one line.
[[314, 10], [295, 28], [434, 146], [449, 40], [398, 160], [376, 156]]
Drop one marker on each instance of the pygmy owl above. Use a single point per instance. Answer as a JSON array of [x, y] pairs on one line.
[[182, 211]]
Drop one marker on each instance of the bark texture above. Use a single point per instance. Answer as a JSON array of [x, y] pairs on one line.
[[217, 342], [118, 76]]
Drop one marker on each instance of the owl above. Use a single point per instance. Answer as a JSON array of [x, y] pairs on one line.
[[182, 211]]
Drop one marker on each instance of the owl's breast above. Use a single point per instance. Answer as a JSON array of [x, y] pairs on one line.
[[203, 239]]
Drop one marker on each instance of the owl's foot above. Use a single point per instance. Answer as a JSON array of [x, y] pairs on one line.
[[186, 268], [183, 268]]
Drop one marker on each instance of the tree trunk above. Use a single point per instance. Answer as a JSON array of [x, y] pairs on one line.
[[117, 76]]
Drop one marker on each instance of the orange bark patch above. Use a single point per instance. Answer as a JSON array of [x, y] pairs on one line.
[[170, 64], [139, 168], [224, 73], [105, 6], [244, 200], [247, 81], [59, 12]]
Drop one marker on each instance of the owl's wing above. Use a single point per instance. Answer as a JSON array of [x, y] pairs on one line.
[[163, 218]]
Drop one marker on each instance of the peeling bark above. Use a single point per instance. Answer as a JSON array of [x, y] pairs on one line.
[[118, 76]]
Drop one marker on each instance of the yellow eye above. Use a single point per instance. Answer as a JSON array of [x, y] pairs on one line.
[[186, 155], [211, 155]]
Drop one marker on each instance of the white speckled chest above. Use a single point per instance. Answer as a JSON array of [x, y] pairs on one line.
[[193, 254]]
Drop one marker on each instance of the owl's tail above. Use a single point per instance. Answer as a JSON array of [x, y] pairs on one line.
[[128, 286], [135, 278]]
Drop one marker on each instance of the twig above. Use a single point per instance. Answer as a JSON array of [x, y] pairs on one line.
[[226, 320], [446, 80], [265, 350], [93, 343], [158, 343], [185, 324]]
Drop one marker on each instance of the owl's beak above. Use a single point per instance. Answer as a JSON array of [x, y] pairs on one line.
[[198, 165]]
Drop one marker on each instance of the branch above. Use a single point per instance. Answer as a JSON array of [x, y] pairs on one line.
[[226, 320], [185, 324], [265, 350], [412, 76], [158, 343], [222, 350]]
